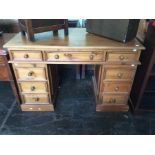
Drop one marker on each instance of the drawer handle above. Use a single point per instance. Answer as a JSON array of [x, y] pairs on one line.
[[91, 57], [34, 65], [30, 73], [119, 75], [116, 88], [112, 100], [33, 88], [121, 57], [36, 99], [56, 56], [26, 56], [68, 55]]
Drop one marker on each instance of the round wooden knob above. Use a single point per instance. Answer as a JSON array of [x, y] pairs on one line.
[[33, 88], [121, 57], [116, 88], [112, 100], [56, 56], [119, 75], [91, 57], [34, 65], [30, 73], [69, 55], [37, 99], [26, 56]]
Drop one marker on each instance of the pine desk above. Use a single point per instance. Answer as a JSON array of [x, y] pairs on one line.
[[34, 65]]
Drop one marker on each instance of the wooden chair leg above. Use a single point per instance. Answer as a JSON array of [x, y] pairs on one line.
[[23, 33], [83, 73], [21, 30], [30, 32], [55, 32], [77, 72], [66, 28], [31, 36], [66, 31]]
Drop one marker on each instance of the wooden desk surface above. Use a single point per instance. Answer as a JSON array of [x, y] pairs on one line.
[[78, 38]]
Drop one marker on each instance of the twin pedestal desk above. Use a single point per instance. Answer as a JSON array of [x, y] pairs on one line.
[[35, 67]]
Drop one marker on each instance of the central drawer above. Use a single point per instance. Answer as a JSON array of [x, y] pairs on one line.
[[116, 87], [35, 98], [26, 55], [119, 73], [30, 73], [33, 87], [75, 56]]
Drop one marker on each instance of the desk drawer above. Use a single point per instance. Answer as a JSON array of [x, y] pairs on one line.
[[116, 87], [33, 87], [119, 73], [35, 98], [120, 56], [114, 99], [75, 56], [30, 73], [26, 55], [2, 61], [4, 75]]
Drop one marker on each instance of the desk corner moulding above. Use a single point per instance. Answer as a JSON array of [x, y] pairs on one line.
[[35, 67]]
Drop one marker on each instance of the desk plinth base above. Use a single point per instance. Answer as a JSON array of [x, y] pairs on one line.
[[30, 107], [112, 108]]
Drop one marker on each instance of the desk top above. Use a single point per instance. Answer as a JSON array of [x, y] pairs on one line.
[[78, 38]]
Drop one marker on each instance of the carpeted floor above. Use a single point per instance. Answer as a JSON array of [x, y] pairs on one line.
[[74, 114]]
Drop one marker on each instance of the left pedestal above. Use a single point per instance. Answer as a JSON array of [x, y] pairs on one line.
[[35, 86]]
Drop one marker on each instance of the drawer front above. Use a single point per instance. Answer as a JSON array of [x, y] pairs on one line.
[[116, 87], [30, 73], [119, 73], [26, 55], [75, 56], [33, 87], [2, 61], [114, 99], [4, 75], [35, 98], [120, 56]]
